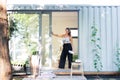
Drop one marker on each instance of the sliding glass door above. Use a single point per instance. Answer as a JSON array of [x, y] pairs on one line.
[[32, 33], [45, 39]]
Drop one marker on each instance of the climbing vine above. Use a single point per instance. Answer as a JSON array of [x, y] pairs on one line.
[[117, 62], [96, 48]]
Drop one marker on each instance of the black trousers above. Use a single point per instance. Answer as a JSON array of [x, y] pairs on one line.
[[64, 54]]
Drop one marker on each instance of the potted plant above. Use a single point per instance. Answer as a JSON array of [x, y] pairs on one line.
[[18, 65], [75, 57], [34, 60]]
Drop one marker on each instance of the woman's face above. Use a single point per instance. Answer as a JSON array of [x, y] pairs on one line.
[[67, 31]]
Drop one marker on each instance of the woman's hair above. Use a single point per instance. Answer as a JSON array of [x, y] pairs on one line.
[[69, 31]]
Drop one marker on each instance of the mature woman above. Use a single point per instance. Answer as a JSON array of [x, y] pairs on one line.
[[67, 46]]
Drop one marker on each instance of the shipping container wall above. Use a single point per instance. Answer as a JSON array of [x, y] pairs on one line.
[[107, 21]]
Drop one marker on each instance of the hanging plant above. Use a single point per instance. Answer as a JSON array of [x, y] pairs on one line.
[[96, 48], [117, 62]]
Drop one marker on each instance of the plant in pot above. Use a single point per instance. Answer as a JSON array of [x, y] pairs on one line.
[[18, 65], [75, 57], [35, 63]]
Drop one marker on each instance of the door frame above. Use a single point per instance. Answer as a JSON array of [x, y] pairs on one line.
[[40, 35]]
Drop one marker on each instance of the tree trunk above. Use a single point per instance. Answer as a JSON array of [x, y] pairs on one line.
[[5, 66]]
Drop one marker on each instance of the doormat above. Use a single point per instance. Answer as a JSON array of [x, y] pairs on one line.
[[47, 75]]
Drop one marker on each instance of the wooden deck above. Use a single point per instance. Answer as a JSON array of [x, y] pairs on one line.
[[58, 78], [58, 74], [64, 74]]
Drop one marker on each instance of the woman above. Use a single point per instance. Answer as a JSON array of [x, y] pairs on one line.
[[67, 46]]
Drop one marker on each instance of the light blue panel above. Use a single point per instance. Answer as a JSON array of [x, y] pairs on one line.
[[97, 19], [118, 31], [114, 35], [98, 26], [90, 23], [103, 37], [118, 28], [88, 60], [97, 22], [107, 20], [85, 37], [109, 38], [82, 40], [80, 33]]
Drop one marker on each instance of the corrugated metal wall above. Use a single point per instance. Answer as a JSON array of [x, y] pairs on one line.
[[107, 19]]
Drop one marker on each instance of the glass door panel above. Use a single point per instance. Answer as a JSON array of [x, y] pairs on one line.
[[46, 40], [33, 35], [24, 39]]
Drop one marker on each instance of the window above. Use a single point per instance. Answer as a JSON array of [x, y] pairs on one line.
[[74, 32]]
